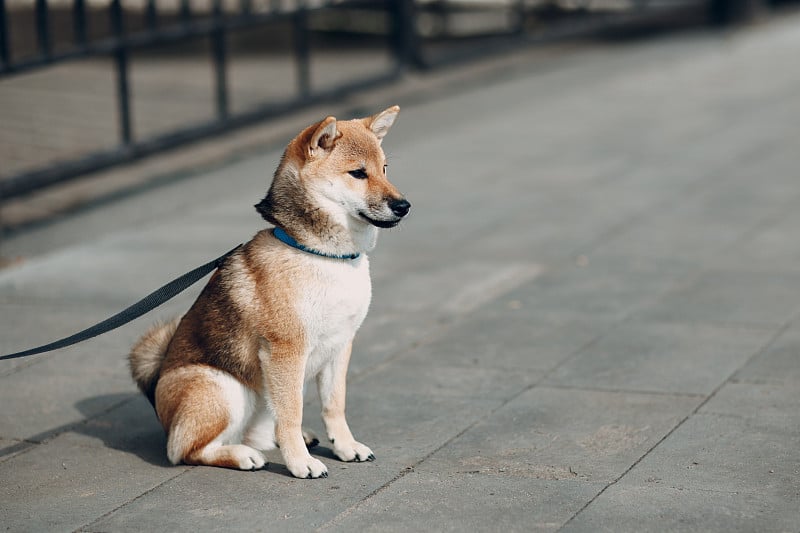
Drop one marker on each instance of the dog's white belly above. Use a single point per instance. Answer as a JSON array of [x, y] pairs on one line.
[[334, 309]]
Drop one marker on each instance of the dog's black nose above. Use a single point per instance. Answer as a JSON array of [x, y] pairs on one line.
[[399, 207]]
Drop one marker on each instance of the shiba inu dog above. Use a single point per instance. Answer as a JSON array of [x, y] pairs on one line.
[[226, 379]]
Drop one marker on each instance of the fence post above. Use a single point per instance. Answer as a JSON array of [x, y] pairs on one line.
[[121, 64], [724, 12], [219, 54], [406, 41], [302, 49], [79, 22], [5, 58], [43, 28]]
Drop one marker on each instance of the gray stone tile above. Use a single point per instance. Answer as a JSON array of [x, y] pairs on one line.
[[651, 508], [430, 501], [26, 326], [215, 499], [774, 247], [63, 485], [754, 298], [11, 447], [602, 286], [564, 433], [64, 387], [99, 274], [203, 233], [779, 403], [422, 373], [779, 363], [406, 419], [673, 358], [513, 339], [725, 454], [432, 296], [131, 426], [446, 291], [703, 223], [675, 234]]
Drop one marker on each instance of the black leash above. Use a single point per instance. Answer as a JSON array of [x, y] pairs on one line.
[[148, 303]]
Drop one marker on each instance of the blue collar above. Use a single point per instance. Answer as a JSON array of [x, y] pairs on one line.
[[287, 239]]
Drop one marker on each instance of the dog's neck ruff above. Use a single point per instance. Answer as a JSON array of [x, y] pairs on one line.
[[285, 238]]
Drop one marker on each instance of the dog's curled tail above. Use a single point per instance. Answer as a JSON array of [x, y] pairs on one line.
[[148, 354]]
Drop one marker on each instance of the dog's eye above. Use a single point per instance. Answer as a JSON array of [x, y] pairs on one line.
[[359, 173]]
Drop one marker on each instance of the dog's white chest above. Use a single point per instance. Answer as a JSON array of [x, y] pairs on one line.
[[333, 307]]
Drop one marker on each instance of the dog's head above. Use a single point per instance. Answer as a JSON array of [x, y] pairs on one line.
[[337, 170]]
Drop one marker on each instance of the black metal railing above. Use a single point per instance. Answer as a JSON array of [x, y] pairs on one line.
[[415, 34]]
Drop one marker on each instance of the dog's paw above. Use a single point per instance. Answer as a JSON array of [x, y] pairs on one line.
[[307, 468], [310, 438], [352, 451], [248, 458]]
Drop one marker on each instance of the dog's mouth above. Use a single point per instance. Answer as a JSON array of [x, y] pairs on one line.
[[380, 223]]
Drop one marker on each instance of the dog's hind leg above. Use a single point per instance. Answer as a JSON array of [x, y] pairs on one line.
[[205, 413]]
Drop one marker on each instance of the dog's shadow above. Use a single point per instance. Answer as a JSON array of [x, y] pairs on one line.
[[127, 422]]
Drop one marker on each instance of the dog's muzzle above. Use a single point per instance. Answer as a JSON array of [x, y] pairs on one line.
[[399, 207]]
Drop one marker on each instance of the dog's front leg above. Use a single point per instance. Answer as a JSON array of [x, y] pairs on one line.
[[332, 385], [285, 374]]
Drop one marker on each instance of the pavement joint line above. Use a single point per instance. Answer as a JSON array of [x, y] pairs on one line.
[[755, 327], [20, 447], [21, 366], [440, 328], [537, 383], [557, 386], [734, 416], [84, 528], [765, 223], [400, 353], [408, 469], [678, 425], [47, 436], [707, 491]]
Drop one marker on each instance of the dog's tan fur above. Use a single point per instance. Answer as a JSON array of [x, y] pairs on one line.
[[227, 379]]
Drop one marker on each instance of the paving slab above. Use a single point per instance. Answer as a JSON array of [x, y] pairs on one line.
[[432, 501], [759, 299], [773, 245], [669, 358], [512, 336], [779, 363], [638, 509], [780, 403], [550, 433], [725, 454], [602, 286], [93, 480], [85, 274], [730, 467]]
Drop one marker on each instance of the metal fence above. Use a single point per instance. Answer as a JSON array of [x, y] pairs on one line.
[[414, 35]]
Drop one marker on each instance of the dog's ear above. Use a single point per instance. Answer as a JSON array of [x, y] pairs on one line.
[[324, 137], [380, 123]]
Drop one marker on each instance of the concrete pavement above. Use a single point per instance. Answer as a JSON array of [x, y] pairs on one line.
[[590, 322]]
